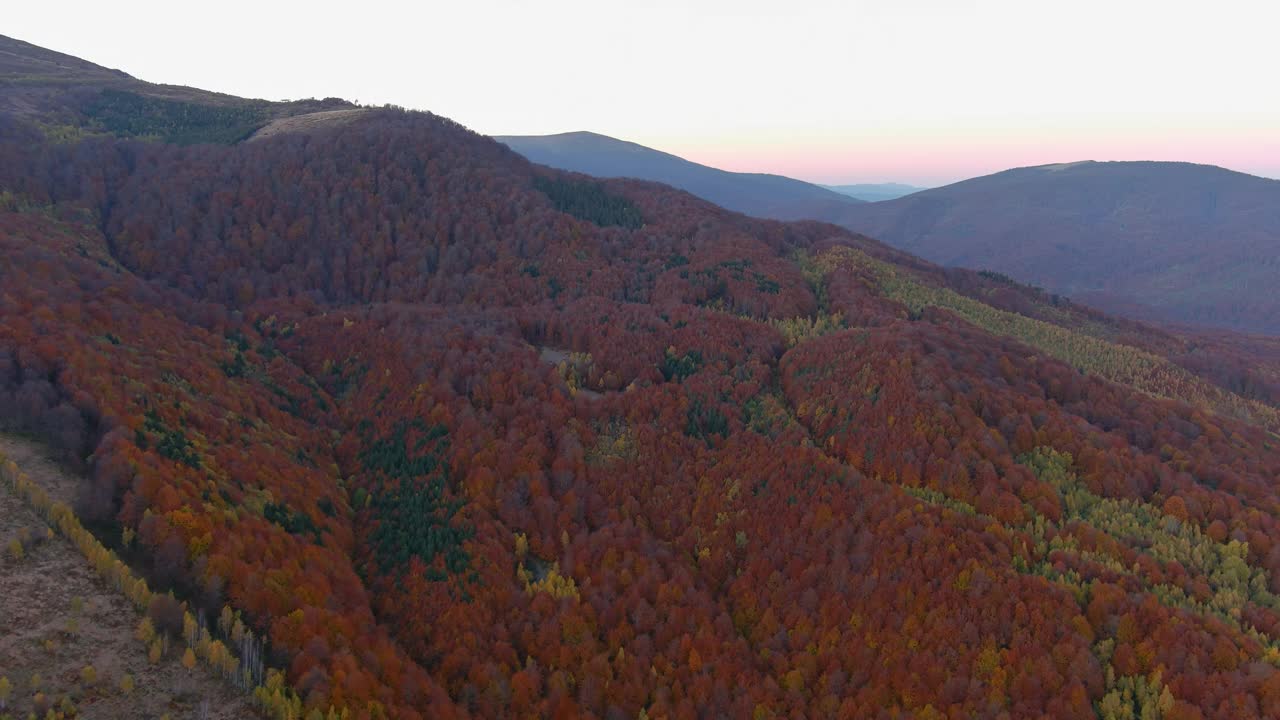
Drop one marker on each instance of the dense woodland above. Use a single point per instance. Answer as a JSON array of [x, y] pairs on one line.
[[464, 436]]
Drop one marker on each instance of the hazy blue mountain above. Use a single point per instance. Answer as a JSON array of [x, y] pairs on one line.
[[761, 195], [1169, 241], [875, 192]]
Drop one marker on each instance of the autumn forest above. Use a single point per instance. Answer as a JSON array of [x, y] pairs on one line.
[[410, 427]]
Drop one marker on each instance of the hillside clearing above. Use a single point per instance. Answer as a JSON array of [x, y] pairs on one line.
[[59, 618], [305, 123]]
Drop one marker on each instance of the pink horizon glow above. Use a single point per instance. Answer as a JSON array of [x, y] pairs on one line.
[[915, 91], [941, 161]]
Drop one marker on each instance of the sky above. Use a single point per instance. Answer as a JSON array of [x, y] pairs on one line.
[[918, 91]]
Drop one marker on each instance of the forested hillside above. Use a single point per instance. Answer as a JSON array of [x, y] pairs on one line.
[[459, 435]]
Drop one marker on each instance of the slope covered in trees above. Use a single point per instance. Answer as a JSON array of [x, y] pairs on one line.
[[460, 435]]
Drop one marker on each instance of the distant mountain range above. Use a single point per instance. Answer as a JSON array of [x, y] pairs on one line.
[[874, 192], [1159, 240], [1172, 242], [757, 194]]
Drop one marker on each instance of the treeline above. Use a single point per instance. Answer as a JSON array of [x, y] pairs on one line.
[[129, 114]]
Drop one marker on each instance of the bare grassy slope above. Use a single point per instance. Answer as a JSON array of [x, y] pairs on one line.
[[306, 123], [57, 618]]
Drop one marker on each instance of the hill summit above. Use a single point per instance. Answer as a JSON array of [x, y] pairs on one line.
[[1174, 242]]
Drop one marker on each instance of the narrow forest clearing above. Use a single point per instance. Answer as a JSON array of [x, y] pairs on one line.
[[573, 369], [67, 638]]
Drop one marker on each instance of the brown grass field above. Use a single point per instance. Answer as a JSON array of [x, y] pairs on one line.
[[57, 618]]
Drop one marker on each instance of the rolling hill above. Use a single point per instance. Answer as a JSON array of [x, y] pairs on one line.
[[71, 98], [1168, 241], [760, 195], [411, 427]]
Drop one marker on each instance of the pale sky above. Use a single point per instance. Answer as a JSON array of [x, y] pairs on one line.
[[916, 91]]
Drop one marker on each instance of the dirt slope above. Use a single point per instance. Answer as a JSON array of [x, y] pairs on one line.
[[57, 617]]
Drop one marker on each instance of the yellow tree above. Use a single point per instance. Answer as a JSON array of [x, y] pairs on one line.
[[156, 651], [146, 631]]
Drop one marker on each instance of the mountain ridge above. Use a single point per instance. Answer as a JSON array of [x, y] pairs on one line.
[[1128, 215], [71, 97], [1169, 241], [758, 194]]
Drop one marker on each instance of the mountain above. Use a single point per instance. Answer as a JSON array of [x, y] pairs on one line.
[[875, 192], [1170, 242], [372, 417], [1167, 241], [760, 195], [70, 97]]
